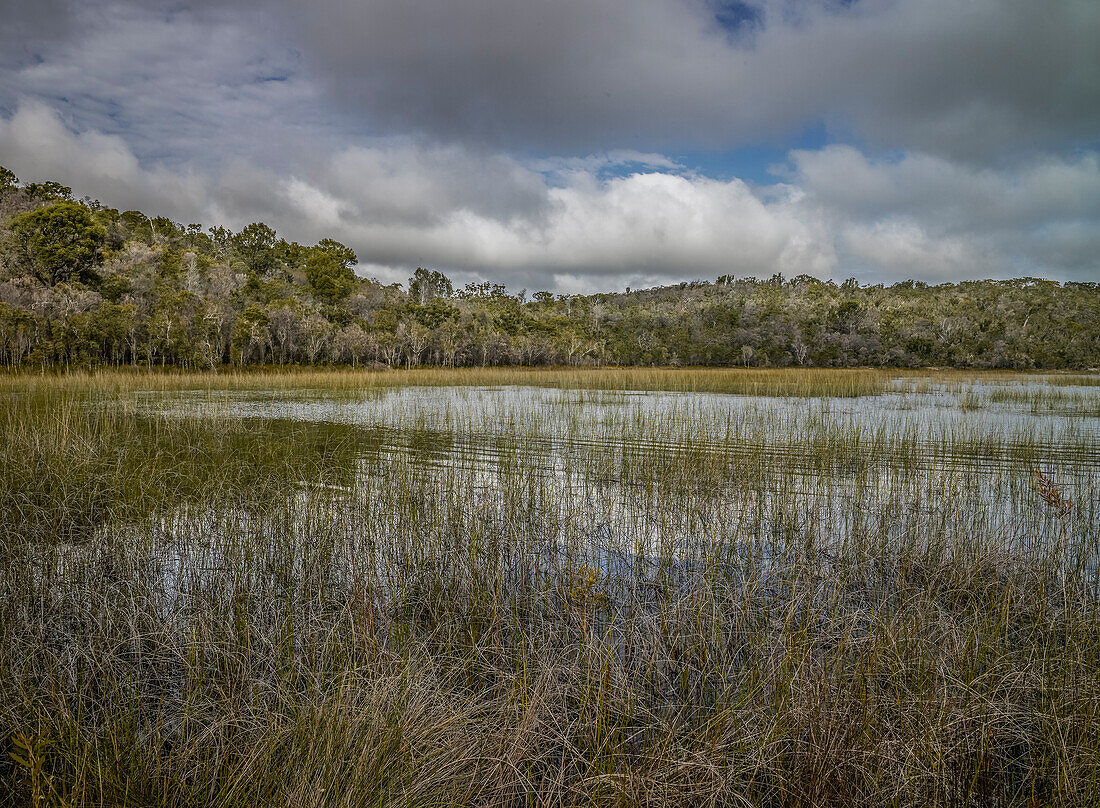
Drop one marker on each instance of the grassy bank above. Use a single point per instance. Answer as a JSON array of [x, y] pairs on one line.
[[543, 606]]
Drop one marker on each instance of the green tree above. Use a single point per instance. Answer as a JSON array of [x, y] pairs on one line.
[[344, 255], [221, 238], [60, 242], [434, 313], [425, 285], [329, 279], [48, 191], [250, 335], [256, 247], [7, 179]]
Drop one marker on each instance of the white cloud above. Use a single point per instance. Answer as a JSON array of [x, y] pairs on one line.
[[419, 131], [903, 248], [37, 145], [947, 220], [937, 189], [566, 225]]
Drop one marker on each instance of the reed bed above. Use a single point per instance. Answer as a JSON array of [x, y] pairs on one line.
[[750, 381], [555, 603]]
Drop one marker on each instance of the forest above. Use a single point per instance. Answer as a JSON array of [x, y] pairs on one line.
[[83, 284]]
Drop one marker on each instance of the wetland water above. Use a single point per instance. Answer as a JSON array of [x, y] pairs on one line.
[[654, 467], [735, 597]]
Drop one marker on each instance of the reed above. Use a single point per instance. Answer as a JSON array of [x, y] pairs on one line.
[[560, 600], [748, 381]]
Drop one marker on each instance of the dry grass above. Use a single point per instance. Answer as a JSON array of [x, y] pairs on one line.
[[789, 612], [769, 382]]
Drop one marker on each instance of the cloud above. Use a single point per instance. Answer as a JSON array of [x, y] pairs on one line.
[[970, 80], [980, 81], [950, 194], [903, 248], [28, 25], [568, 225], [536, 143], [400, 204], [183, 89], [947, 220], [37, 145], [396, 182]]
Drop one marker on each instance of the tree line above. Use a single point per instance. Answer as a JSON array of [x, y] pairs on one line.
[[85, 284]]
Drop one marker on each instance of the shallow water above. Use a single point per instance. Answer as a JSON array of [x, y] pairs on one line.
[[472, 424], [918, 452], [640, 486]]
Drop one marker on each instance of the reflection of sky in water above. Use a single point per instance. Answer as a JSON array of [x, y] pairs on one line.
[[931, 417], [973, 405], [940, 459], [953, 434]]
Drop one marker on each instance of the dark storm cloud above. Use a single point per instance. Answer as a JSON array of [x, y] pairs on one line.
[[973, 80], [964, 78], [27, 26]]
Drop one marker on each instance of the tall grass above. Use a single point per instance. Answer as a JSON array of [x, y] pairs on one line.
[[753, 381], [677, 606]]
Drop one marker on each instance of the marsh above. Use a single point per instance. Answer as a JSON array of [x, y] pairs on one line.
[[517, 587]]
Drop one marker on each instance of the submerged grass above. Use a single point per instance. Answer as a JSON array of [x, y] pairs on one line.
[[646, 608]]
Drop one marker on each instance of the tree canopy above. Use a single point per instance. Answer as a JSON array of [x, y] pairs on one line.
[[83, 283], [60, 241]]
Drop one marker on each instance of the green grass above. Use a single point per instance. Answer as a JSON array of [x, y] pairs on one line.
[[688, 606]]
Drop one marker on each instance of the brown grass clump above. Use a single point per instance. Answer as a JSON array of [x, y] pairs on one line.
[[1052, 495]]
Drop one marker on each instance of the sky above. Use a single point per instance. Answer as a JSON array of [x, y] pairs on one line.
[[583, 145]]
